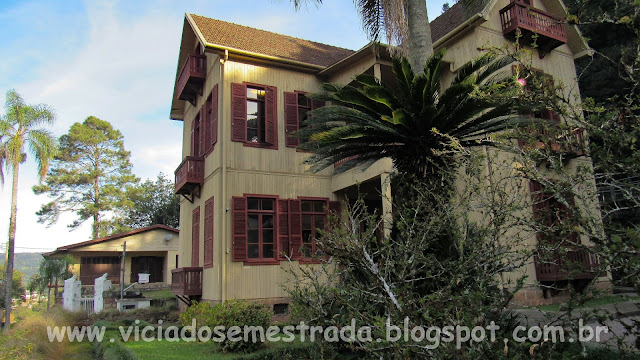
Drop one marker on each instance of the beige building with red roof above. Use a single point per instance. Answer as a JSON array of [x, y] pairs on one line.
[[151, 250], [249, 204]]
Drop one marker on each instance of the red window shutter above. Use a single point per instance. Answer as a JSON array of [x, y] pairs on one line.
[[291, 118], [195, 136], [239, 227], [239, 112], [204, 132], [214, 116], [283, 230], [195, 237], [295, 228], [270, 116], [208, 233]]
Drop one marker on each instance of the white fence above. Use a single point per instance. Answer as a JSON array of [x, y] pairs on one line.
[[86, 304]]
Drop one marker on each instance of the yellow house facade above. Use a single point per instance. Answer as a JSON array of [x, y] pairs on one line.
[[249, 203], [151, 250]]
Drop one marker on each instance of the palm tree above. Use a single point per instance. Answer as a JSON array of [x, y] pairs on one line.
[[404, 22], [20, 128], [413, 122]]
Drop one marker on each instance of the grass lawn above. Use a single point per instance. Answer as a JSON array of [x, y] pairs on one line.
[[158, 294], [78, 351], [165, 350], [593, 303]]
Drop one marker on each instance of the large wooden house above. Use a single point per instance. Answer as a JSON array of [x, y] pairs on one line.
[[247, 197]]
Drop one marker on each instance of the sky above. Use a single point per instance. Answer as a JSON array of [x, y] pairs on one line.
[[117, 60]]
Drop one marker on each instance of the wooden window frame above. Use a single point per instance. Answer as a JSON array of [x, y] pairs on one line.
[[209, 221], [313, 214], [274, 212], [195, 237], [264, 144], [293, 126]]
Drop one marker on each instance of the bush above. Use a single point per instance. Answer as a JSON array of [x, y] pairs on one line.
[[108, 350], [239, 313]]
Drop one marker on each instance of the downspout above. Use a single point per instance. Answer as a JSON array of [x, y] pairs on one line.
[[223, 183]]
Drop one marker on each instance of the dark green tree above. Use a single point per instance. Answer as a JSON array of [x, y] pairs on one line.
[[154, 202], [90, 176], [415, 122], [50, 273], [17, 288]]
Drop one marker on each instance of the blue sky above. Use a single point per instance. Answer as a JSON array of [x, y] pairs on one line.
[[117, 60]]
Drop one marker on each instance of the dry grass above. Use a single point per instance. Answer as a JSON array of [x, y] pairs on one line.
[[27, 339]]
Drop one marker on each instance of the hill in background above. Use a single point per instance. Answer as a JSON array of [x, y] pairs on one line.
[[26, 263]]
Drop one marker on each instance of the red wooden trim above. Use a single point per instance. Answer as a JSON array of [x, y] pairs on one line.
[[208, 232], [291, 118], [239, 228], [295, 228], [238, 112], [195, 237], [270, 116], [214, 115], [282, 217]]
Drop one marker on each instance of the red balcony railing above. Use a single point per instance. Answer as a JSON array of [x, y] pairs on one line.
[[572, 265], [189, 175], [186, 281], [529, 20], [191, 78]]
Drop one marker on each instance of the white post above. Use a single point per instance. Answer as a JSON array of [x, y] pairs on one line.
[[101, 285], [70, 294]]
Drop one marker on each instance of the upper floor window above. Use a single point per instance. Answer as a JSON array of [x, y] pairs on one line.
[[297, 104], [195, 136], [254, 115]]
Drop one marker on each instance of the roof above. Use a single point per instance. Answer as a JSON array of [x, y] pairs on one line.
[[454, 17], [226, 34], [109, 238]]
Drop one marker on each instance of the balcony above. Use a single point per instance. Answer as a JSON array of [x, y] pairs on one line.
[[577, 264], [191, 79], [190, 177], [186, 281], [518, 16]]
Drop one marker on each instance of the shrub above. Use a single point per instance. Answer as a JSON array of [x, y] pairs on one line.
[[108, 350], [231, 313]]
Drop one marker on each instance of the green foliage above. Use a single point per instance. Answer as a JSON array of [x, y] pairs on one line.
[[230, 313], [445, 263], [420, 126], [17, 288], [153, 202], [90, 177], [51, 271], [107, 350]]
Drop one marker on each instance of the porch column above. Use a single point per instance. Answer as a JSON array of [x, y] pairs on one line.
[[387, 203], [377, 72]]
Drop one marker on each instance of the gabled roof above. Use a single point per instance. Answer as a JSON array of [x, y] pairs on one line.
[[234, 36], [454, 17], [109, 238]]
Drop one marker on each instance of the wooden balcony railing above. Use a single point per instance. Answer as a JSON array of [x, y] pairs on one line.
[[573, 265], [186, 281], [191, 78], [529, 20], [190, 176], [342, 161]]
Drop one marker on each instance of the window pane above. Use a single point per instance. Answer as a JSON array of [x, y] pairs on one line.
[[253, 203], [252, 236], [252, 109], [267, 236], [252, 135], [306, 222], [306, 236], [267, 251], [306, 206], [319, 222], [318, 206], [267, 221], [253, 251], [252, 222], [255, 93], [267, 204], [303, 100], [302, 116]]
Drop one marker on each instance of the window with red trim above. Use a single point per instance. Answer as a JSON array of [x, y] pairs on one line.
[[314, 217], [261, 228], [195, 136], [297, 105], [208, 233], [254, 115]]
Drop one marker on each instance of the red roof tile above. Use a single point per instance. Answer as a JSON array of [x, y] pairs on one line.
[[268, 43]]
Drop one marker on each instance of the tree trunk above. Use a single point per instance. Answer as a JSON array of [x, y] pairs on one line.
[[420, 44], [10, 248]]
